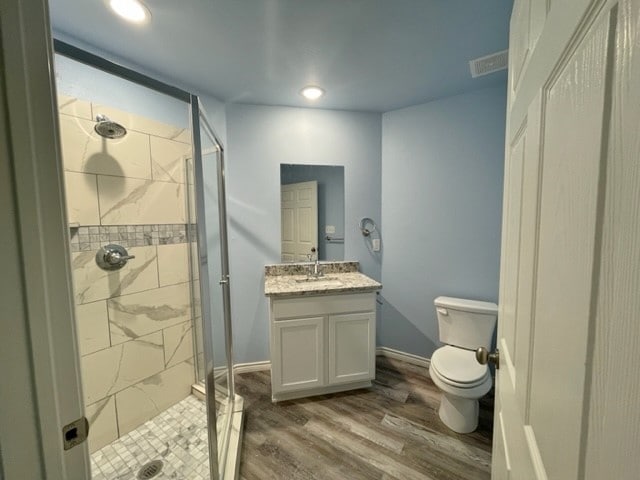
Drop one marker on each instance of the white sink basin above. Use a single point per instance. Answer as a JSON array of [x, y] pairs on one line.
[[321, 281]]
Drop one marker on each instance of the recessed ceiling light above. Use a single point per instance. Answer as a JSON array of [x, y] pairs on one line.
[[312, 92], [131, 10]]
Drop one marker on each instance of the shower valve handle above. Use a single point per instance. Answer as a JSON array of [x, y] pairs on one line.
[[112, 257]]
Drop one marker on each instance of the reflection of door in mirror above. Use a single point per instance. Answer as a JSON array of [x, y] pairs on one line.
[[299, 220], [330, 211]]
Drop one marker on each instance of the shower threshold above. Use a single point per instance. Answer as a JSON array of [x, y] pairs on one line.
[[229, 448]]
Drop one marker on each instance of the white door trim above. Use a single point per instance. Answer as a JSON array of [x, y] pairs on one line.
[[40, 283]]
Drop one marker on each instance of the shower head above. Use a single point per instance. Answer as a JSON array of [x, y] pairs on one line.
[[108, 129]]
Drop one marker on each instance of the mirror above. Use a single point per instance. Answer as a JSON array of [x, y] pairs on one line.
[[311, 212]]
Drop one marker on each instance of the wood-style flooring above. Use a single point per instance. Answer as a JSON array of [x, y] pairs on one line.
[[389, 431]]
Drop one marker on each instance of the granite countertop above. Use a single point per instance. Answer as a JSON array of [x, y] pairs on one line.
[[286, 280]]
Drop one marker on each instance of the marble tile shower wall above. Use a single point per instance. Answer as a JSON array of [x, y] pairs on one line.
[[135, 325]]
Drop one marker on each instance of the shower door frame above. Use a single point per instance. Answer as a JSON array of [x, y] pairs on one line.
[[197, 121]]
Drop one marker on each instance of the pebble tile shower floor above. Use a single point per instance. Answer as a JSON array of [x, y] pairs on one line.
[[178, 437]]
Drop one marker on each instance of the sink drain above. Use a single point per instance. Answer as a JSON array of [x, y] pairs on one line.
[[150, 470]]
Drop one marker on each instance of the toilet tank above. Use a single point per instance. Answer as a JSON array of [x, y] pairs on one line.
[[466, 323]]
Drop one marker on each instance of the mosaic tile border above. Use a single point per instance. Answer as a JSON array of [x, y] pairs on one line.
[[92, 237]]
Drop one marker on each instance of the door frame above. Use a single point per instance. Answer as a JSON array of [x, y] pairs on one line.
[[42, 357]]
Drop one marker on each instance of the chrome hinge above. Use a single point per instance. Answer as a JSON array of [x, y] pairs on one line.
[[75, 433]]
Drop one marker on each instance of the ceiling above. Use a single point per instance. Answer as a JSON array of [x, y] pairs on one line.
[[369, 55]]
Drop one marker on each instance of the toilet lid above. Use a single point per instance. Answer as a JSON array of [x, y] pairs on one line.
[[458, 365]]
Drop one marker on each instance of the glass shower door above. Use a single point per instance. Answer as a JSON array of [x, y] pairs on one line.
[[213, 334]]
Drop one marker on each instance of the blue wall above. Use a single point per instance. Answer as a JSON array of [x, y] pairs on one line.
[[260, 139], [442, 173], [330, 202]]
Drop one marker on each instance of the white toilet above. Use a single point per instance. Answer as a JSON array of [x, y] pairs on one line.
[[464, 326]]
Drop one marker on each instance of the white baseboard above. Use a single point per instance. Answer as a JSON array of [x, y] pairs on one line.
[[405, 357], [381, 351], [252, 367]]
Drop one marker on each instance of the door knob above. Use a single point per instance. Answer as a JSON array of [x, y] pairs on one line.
[[483, 357]]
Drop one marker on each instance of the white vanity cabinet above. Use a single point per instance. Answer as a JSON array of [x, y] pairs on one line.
[[321, 344]]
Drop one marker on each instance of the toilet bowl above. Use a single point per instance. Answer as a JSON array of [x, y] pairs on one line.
[[464, 325], [463, 382]]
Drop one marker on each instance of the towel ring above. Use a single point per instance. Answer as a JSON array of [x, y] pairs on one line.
[[363, 226]]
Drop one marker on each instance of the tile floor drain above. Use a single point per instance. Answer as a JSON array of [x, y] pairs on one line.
[[150, 470]]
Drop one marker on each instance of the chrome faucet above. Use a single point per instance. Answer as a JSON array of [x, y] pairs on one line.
[[315, 269]]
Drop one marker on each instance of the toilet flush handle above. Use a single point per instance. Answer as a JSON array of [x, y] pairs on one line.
[[483, 357]]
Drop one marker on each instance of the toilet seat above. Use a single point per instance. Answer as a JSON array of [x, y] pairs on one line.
[[458, 367]]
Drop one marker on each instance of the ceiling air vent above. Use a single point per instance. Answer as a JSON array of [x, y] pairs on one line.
[[489, 63]]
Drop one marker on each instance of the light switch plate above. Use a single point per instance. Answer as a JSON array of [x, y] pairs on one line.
[[329, 229], [375, 243]]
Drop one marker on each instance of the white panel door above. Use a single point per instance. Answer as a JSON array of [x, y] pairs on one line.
[[298, 354], [299, 220], [561, 82], [351, 347]]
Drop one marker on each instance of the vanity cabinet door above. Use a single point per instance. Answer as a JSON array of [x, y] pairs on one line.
[[297, 354], [351, 347]]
